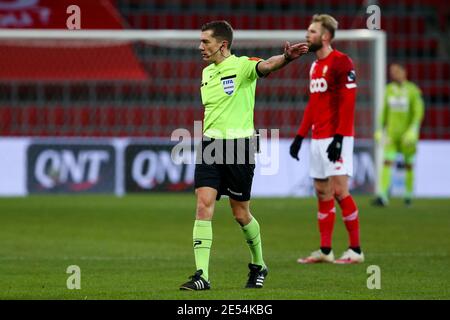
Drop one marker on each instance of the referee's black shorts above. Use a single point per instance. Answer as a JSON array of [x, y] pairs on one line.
[[226, 165]]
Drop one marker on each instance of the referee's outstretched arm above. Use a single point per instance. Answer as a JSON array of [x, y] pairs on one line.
[[277, 62]]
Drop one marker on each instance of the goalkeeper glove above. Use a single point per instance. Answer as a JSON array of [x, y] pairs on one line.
[[411, 136], [295, 147], [334, 150], [378, 135]]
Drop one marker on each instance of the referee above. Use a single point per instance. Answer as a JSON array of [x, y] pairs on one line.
[[225, 162]]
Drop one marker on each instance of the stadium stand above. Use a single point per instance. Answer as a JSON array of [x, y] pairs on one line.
[[113, 99]]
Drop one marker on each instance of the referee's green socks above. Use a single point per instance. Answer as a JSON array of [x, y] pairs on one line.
[[253, 238], [202, 240]]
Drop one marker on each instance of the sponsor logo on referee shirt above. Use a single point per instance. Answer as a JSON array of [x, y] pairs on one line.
[[228, 84]]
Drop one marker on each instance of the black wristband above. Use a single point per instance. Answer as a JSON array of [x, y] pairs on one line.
[[286, 57]]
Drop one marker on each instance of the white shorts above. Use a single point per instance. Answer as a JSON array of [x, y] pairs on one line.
[[321, 167]]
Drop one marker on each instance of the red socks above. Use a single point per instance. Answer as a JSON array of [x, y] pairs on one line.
[[351, 220], [326, 217]]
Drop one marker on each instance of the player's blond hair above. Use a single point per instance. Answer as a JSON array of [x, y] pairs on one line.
[[327, 22]]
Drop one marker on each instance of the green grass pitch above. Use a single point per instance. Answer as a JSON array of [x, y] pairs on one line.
[[140, 247]]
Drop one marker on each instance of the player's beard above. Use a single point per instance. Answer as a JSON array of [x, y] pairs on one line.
[[313, 47]]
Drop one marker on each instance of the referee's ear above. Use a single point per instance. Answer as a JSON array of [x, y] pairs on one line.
[[227, 46]]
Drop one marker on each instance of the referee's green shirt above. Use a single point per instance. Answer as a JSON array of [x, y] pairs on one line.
[[228, 95]]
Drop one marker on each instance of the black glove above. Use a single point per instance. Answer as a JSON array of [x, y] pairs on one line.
[[334, 150], [295, 146]]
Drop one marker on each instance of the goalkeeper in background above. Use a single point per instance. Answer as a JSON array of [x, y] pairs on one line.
[[400, 120]]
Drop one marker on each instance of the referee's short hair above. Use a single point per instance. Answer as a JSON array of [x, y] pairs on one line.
[[221, 30]]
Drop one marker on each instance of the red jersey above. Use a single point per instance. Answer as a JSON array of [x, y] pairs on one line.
[[331, 105]]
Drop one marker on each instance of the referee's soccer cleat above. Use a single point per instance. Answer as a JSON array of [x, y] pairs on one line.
[[196, 283], [317, 257], [350, 257], [256, 276]]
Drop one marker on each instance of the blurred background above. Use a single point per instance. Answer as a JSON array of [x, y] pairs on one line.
[[96, 115], [86, 118]]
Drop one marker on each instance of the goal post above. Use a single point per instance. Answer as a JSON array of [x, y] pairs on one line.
[[135, 76]]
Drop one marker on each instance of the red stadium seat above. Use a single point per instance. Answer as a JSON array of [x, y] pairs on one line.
[[420, 71], [123, 107], [274, 20], [436, 118], [412, 47], [434, 90]]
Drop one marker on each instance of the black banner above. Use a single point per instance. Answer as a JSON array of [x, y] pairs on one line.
[[151, 167], [71, 168], [364, 171], [219, 309]]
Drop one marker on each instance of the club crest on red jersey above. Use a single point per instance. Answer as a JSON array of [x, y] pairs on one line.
[[351, 76]]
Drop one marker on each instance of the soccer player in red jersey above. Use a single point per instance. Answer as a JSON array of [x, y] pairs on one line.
[[330, 116]]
